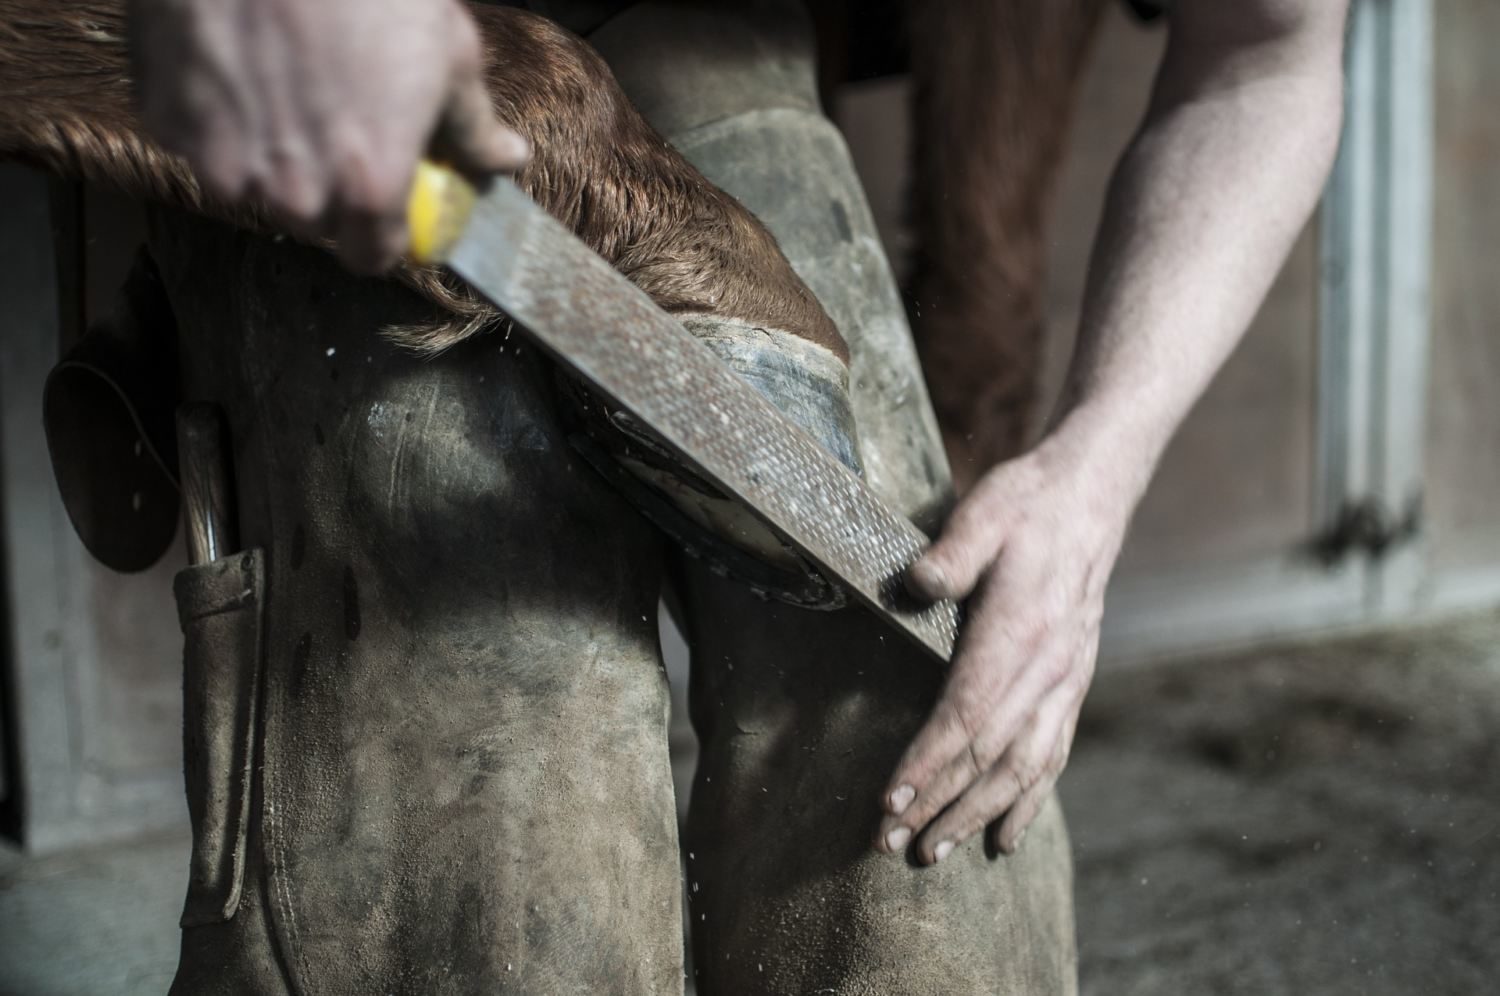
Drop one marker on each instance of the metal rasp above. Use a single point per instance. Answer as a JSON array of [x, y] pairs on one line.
[[609, 333]]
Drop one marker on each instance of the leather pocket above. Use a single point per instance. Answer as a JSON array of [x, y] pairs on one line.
[[221, 608]]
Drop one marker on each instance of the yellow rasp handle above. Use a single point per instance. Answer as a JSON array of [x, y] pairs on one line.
[[437, 211]]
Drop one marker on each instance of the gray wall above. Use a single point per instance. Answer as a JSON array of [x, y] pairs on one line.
[[94, 656]]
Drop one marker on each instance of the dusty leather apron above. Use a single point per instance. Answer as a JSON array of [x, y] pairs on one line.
[[462, 781]]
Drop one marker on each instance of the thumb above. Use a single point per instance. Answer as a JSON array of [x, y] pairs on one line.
[[969, 543]]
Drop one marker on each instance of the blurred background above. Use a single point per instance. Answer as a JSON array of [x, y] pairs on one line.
[[1287, 778]]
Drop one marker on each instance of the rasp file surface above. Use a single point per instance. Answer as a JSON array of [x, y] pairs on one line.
[[606, 330]]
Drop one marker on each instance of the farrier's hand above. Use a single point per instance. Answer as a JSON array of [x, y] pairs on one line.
[[1034, 542], [319, 108]]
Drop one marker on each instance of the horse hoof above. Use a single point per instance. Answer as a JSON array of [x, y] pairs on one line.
[[807, 383]]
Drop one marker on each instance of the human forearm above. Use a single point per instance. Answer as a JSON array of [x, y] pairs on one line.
[[1201, 213]]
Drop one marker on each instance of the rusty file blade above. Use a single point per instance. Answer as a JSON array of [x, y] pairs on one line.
[[608, 332]]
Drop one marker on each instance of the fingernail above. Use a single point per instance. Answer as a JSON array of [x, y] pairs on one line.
[[942, 850], [1015, 842], [901, 798], [897, 838]]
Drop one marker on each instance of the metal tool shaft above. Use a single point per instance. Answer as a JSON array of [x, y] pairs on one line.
[[206, 470]]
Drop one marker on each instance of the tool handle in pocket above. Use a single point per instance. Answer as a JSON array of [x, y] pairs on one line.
[[205, 463]]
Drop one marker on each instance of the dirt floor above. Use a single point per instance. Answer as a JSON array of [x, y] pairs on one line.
[[1321, 818]]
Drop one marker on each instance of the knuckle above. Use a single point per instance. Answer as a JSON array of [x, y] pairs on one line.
[[1014, 784], [1054, 670], [1026, 771], [971, 821], [969, 718], [923, 812], [979, 808], [934, 798], [978, 758], [988, 750]]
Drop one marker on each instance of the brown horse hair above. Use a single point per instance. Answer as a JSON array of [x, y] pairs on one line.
[[995, 84], [67, 105]]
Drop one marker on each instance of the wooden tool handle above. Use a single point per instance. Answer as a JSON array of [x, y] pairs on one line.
[[206, 465], [437, 211]]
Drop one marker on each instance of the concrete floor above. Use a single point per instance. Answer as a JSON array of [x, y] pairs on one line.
[[1318, 818], [98, 922], [1322, 818]]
